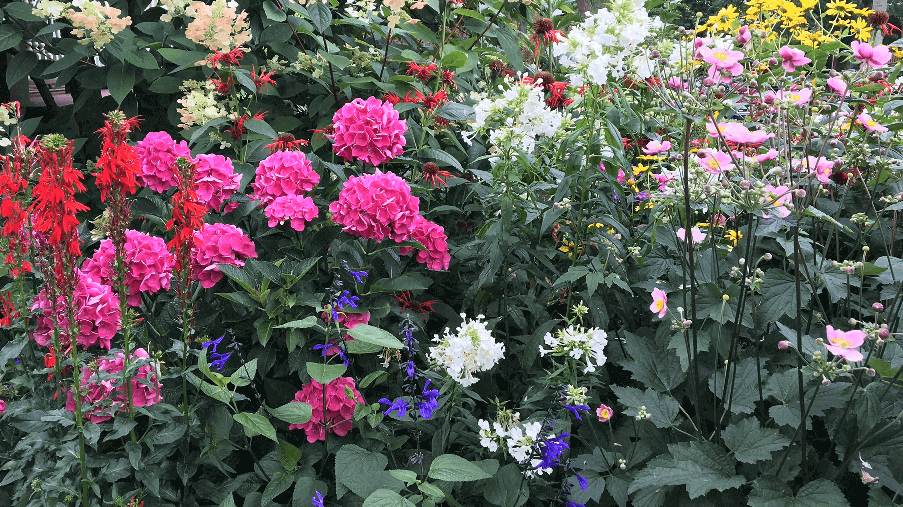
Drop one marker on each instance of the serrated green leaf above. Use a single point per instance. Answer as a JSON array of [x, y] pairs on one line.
[[9, 37], [19, 67], [664, 408], [700, 466], [882, 367], [320, 15], [376, 336], [745, 386], [779, 296], [657, 367], [387, 498], [431, 491], [406, 476], [295, 412], [455, 112], [750, 442], [182, 57], [363, 472], [256, 424], [229, 501], [325, 373], [273, 12], [450, 467], [769, 491], [299, 324], [245, 373], [508, 41], [261, 127], [280, 482], [454, 59]]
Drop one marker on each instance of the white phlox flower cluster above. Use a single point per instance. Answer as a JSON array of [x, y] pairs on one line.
[[519, 118], [469, 350], [518, 440], [578, 343], [605, 44]]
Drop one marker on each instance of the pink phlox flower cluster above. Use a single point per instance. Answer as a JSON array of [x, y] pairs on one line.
[[791, 58], [368, 130], [777, 197], [215, 180], [101, 385], [432, 237], [218, 244], [96, 309], [298, 210], [874, 56], [869, 123], [283, 173], [842, 343], [376, 206], [737, 133], [714, 162], [339, 408], [147, 260], [157, 154], [797, 97], [819, 166]]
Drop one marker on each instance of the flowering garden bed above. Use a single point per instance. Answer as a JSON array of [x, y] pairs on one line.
[[453, 252]]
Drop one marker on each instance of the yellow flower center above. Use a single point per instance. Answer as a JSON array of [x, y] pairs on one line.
[[713, 163], [841, 342], [720, 55], [659, 305], [795, 97], [871, 123], [606, 413]]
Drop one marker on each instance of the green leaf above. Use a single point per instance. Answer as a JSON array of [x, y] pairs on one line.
[[700, 466], [750, 442], [166, 84], [256, 424], [387, 498], [141, 58], [655, 366], [280, 482], [229, 501], [406, 476], [455, 112], [9, 37], [245, 374], [508, 41], [11, 350], [275, 34], [450, 467], [431, 491], [882, 367], [121, 427], [401, 283], [573, 274], [320, 16], [295, 412], [455, 59], [261, 127], [370, 334], [441, 157], [181, 57], [779, 295], [663, 407], [363, 472], [273, 12], [299, 324], [21, 10], [120, 81], [325, 373], [20, 66], [769, 491]]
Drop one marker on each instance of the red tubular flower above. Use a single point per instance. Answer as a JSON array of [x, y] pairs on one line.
[[238, 125], [263, 79], [409, 303], [223, 87], [286, 142], [422, 72], [14, 173], [432, 101], [118, 160], [434, 175], [9, 311], [391, 98], [448, 79], [54, 208], [187, 215], [228, 59], [544, 32]]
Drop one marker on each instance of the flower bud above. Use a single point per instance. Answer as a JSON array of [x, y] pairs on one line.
[[688, 323], [649, 417], [877, 307], [622, 466], [884, 333], [783, 345], [655, 53], [825, 381], [819, 341], [772, 62], [800, 192], [870, 372], [853, 321], [767, 256]]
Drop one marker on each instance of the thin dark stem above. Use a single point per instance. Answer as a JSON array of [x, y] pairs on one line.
[[688, 239], [800, 428], [491, 21], [799, 346]]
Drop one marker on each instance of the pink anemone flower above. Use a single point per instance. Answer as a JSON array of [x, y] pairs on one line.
[[842, 343]]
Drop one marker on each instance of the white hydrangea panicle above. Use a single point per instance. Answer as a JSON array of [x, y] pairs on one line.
[[469, 350], [587, 345]]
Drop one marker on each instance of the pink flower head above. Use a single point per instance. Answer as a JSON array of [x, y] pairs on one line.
[[744, 35], [869, 123], [663, 180], [737, 133], [876, 57], [218, 244], [720, 58], [723, 75], [819, 166], [147, 260], [715, 162], [2, 407], [842, 343], [659, 303], [656, 147], [376, 206], [157, 154], [295, 208], [695, 234], [368, 130], [283, 173], [96, 314], [837, 84], [719, 220], [622, 177], [792, 58], [215, 180], [797, 97], [604, 413], [677, 83], [99, 386], [340, 400], [777, 197], [432, 236], [768, 155]]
